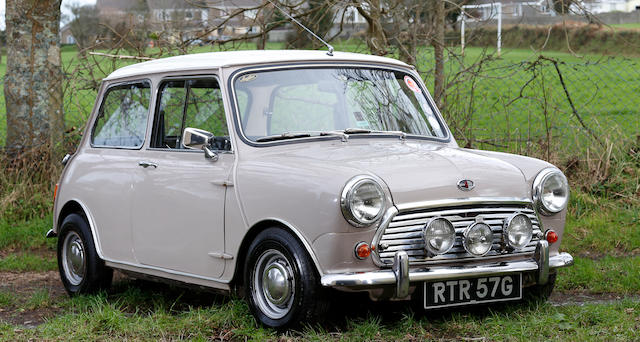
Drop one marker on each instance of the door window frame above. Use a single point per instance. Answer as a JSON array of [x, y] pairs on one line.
[[156, 110], [101, 108]]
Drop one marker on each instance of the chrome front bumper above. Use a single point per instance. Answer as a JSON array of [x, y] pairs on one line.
[[401, 276]]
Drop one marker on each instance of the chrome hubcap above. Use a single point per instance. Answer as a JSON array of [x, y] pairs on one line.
[[273, 284], [73, 258]]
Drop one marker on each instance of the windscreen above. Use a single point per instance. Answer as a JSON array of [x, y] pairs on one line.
[[316, 100]]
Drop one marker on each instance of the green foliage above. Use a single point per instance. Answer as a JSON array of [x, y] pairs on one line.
[[606, 275], [101, 317], [38, 300], [27, 234], [591, 39], [599, 226], [22, 262], [6, 299]]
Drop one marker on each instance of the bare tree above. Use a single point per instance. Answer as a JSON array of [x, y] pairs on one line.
[[83, 26], [438, 51], [33, 82]]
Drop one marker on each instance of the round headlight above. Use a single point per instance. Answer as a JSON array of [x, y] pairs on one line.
[[551, 191], [439, 236], [477, 239], [518, 231], [362, 201]]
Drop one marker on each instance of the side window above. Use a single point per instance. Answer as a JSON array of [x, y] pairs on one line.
[[193, 103], [205, 109], [170, 113], [122, 120]]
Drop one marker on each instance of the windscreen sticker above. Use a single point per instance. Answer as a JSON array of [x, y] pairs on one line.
[[247, 77], [361, 122], [411, 84]]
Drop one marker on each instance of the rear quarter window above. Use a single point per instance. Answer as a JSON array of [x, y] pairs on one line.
[[122, 119]]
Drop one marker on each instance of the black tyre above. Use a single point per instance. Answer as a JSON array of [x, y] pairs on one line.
[[81, 270], [541, 293], [280, 281]]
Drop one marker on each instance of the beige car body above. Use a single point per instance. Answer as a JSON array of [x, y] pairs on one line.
[[190, 219]]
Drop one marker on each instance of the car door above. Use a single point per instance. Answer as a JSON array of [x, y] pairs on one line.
[[179, 195], [102, 173]]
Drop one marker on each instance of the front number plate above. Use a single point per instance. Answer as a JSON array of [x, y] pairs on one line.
[[440, 294]]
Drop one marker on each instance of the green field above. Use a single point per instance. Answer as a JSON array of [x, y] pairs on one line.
[[627, 26], [511, 104]]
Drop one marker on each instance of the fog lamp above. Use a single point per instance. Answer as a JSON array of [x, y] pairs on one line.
[[478, 239], [518, 231], [439, 236]]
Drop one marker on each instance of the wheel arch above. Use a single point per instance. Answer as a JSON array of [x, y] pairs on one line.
[[259, 227], [74, 206], [70, 207]]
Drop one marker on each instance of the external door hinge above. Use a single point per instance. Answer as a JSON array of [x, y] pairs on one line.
[[223, 256], [226, 183]]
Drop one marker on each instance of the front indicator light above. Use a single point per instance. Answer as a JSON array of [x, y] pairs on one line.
[[362, 250], [551, 236]]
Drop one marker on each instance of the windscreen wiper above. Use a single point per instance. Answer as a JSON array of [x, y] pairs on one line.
[[295, 135], [283, 136], [349, 131]]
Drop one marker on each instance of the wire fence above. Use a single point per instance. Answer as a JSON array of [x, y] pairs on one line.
[[556, 108]]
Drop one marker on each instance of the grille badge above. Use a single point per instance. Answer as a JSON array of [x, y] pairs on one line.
[[466, 185]]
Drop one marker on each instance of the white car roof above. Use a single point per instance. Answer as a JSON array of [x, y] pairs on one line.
[[214, 60]]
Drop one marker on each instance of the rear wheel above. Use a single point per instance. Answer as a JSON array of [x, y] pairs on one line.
[[281, 284], [81, 269]]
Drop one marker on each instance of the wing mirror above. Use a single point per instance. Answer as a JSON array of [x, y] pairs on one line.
[[199, 139]]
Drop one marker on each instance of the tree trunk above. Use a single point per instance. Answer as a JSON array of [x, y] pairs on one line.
[[376, 36], [33, 81], [438, 53]]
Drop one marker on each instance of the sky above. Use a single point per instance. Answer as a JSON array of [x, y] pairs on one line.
[[64, 8]]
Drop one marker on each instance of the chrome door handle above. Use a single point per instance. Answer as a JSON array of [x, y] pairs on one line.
[[146, 164]]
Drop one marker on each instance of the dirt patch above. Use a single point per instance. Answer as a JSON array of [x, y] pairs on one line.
[[22, 287], [41, 251], [582, 298]]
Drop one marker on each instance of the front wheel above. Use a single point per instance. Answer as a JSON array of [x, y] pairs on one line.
[[81, 269], [541, 293], [281, 284]]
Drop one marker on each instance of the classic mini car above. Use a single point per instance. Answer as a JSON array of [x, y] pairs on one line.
[[282, 174]]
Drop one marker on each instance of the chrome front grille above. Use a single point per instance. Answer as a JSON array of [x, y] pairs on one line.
[[404, 232]]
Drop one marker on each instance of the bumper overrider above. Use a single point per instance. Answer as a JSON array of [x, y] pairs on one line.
[[401, 276]]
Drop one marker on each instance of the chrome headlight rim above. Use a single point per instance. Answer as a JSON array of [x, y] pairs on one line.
[[538, 185], [428, 246], [347, 193], [465, 237], [505, 230]]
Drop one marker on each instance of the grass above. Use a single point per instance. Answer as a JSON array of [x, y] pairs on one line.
[[106, 317], [6, 299], [627, 26], [620, 275], [26, 261], [26, 234], [598, 226]]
